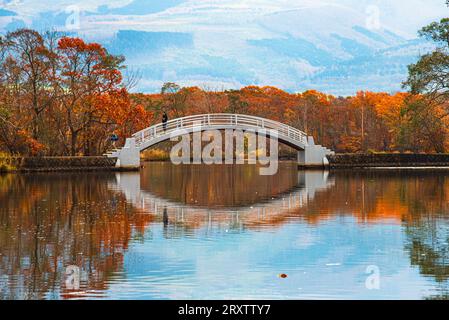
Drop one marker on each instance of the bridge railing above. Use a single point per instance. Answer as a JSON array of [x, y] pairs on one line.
[[219, 120]]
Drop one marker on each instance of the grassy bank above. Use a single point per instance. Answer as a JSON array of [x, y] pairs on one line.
[[155, 155], [7, 163], [158, 154]]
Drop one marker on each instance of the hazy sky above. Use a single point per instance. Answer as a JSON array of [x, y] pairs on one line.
[[401, 16]]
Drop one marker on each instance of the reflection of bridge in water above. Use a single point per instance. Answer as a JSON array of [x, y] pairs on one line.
[[177, 212]]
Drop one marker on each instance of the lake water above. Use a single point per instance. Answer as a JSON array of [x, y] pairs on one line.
[[225, 232]]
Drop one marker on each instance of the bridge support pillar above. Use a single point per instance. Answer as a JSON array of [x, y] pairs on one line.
[[129, 155], [313, 155]]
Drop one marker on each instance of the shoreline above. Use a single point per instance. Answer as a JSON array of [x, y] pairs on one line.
[[381, 161], [389, 161]]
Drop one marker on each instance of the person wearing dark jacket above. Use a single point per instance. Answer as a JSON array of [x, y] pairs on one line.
[[114, 138], [164, 120]]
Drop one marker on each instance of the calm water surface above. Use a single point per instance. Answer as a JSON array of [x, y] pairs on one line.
[[223, 232]]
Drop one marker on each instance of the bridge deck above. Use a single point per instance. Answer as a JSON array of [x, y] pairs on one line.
[[159, 132]]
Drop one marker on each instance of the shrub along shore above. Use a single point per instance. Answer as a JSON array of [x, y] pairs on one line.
[[383, 160], [46, 164]]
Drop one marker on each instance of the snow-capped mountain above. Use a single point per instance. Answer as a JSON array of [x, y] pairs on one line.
[[334, 46]]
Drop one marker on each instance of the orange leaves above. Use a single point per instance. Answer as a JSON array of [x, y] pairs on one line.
[[93, 99], [34, 146], [69, 43], [317, 96], [78, 45], [89, 64], [349, 144], [116, 107], [369, 120], [390, 105]]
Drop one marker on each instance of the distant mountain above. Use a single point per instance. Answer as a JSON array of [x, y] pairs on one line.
[[139, 45], [6, 13], [290, 63], [337, 46], [380, 70], [139, 7]]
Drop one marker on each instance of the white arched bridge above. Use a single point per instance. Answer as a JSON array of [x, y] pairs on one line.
[[309, 154]]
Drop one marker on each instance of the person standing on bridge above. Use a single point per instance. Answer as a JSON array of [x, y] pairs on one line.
[[114, 138], [164, 121]]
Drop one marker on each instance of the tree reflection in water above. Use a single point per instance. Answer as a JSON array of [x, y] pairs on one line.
[[428, 233], [50, 221]]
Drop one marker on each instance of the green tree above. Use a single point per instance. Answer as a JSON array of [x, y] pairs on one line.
[[430, 75], [235, 103], [175, 98], [422, 128]]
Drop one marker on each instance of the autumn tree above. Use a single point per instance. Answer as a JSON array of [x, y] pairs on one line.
[[87, 71], [27, 74], [235, 103], [212, 102], [175, 98], [425, 129], [62, 96]]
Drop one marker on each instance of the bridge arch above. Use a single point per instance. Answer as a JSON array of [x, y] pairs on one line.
[[309, 154]]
